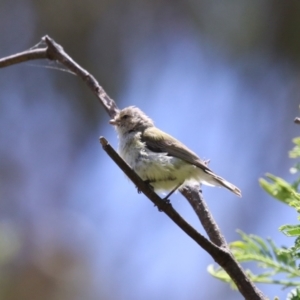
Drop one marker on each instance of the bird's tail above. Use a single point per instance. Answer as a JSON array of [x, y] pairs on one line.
[[219, 181]]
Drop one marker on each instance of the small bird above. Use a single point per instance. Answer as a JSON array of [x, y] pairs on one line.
[[157, 157]]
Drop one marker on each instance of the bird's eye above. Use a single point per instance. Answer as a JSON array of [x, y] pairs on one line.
[[125, 117]]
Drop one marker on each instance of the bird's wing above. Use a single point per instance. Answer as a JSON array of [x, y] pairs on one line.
[[159, 141]]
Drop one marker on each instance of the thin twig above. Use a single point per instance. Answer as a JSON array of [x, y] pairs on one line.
[[23, 56], [56, 52]]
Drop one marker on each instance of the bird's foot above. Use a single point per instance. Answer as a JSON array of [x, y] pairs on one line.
[[166, 202]]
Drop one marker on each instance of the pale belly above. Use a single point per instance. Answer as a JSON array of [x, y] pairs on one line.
[[163, 172]]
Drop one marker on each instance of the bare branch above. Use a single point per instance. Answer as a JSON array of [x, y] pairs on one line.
[[297, 120], [196, 200], [56, 52], [23, 56]]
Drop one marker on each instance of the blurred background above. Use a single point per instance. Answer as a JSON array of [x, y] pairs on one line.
[[221, 76]]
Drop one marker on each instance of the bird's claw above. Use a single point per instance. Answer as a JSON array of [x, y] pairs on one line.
[[166, 201]]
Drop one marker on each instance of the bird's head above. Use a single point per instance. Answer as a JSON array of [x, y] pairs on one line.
[[131, 119]]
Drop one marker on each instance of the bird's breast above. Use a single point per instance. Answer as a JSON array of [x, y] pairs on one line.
[[163, 171], [131, 148]]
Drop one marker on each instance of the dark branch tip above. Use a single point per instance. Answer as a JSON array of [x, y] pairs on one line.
[[103, 141], [297, 120]]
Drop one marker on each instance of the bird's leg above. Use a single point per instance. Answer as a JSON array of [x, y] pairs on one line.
[[166, 198], [200, 188]]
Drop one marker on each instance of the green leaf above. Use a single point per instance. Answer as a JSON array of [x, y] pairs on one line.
[[271, 260], [278, 188], [294, 294], [220, 274], [295, 152], [290, 230], [276, 265]]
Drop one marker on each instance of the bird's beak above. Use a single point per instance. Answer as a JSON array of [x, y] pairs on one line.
[[113, 121]]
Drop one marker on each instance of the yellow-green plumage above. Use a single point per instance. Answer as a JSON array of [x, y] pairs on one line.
[[158, 157]]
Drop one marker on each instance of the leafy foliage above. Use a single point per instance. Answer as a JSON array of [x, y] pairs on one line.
[[278, 188], [294, 294], [271, 259], [278, 265], [287, 193]]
